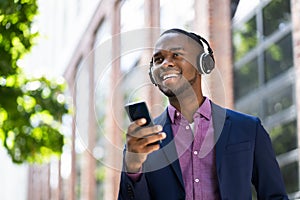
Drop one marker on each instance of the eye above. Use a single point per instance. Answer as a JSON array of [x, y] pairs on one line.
[[158, 60], [176, 55]]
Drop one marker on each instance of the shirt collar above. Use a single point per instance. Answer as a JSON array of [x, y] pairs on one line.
[[204, 110]]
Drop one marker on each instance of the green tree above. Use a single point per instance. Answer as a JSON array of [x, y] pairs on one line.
[[31, 110]]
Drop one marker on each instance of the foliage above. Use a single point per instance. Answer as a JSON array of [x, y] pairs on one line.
[[244, 38], [31, 110]]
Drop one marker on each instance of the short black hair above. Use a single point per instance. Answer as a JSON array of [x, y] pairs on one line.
[[192, 35]]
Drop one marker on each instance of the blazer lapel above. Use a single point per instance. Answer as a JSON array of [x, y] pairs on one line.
[[168, 146], [222, 124]]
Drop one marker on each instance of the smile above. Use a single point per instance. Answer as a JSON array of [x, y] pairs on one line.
[[168, 76]]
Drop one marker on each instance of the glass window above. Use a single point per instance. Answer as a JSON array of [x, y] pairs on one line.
[[244, 8], [276, 15], [132, 15], [279, 101], [132, 18], [244, 38], [102, 50], [246, 78], [266, 33], [290, 175], [177, 13], [284, 137], [82, 116], [251, 108], [278, 57], [102, 75], [82, 102]]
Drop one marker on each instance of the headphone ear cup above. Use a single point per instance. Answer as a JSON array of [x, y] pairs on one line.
[[205, 63], [151, 76]]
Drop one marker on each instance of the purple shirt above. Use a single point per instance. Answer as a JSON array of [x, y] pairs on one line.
[[195, 147]]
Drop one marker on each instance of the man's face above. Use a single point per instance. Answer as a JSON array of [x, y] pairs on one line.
[[174, 58]]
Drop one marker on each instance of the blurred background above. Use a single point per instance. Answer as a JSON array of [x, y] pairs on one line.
[[102, 48]]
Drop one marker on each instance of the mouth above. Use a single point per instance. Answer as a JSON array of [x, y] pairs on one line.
[[168, 76]]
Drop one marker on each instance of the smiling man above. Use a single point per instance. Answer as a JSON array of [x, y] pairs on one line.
[[206, 151]]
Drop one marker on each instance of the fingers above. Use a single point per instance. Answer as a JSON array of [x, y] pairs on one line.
[[151, 141], [138, 150], [135, 129], [136, 124], [141, 141], [145, 145], [139, 138]]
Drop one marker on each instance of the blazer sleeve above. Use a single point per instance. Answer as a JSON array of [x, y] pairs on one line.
[[130, 190], [266, 176]]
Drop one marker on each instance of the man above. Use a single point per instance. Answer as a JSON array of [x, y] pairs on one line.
[[204, 151]]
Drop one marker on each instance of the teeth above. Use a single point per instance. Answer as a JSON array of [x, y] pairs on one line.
[[169, 76]]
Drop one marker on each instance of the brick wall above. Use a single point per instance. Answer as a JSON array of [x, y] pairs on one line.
[[213, 22]]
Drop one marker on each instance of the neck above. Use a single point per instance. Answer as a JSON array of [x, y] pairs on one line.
[[187, 103]]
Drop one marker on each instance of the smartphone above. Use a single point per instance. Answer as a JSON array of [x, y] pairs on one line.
[[138, 110]]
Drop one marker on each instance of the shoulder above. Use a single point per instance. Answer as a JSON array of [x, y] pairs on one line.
[[234, 116], [241, 126], [239, 116]]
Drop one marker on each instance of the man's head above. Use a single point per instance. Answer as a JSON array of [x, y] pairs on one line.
[[178, 60]]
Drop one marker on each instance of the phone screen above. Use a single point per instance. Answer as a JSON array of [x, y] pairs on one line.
[[138, 110]]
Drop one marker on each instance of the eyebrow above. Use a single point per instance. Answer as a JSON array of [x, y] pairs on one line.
[[176, 49], [171, 49]]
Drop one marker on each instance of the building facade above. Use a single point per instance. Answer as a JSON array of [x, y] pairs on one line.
[[257, 71], [266, 77]]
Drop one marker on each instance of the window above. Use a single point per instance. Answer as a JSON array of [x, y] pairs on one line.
[[290, 175], [102, 74], [278, 57], [278, 101], [264, 81], [276, 15], [177, 13], [252, 109], [284, 137], [132, 11], [246, 78], [244, 38]]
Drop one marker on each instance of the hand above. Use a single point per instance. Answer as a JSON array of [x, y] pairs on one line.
[[141, 141]]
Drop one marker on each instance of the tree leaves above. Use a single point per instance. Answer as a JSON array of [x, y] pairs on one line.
[[31, 110]]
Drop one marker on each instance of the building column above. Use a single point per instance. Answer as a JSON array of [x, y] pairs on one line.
[[114, 144], [89, 165], [213, 22], [39, 182], [152, 19], [72, 179]]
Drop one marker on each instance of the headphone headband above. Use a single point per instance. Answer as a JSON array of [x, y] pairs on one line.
[[205, 61]]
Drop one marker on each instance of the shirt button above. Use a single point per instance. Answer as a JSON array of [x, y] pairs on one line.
[[197, 180], [195, 152], [187, 127]]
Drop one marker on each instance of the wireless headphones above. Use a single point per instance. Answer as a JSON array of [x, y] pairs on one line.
[[205, 60]]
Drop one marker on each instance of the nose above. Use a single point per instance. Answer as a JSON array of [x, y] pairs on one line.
[[168, 62]]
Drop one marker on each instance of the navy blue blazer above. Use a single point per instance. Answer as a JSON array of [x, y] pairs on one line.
[[244, 157]]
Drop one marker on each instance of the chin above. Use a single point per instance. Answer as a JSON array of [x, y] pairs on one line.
[[166, 91], [174, 92]]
